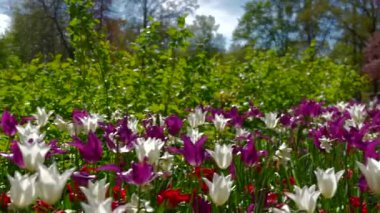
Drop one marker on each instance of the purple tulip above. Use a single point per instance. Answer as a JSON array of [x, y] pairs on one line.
[[8, 123], [109, 129], [355, 137], [317, 134], [27, 119], [308, 108], [249, 155], [286, 120], [15, 156], [200, 205], [362, 183], [55, 149], [232, 170], [253, 111], [92, 150], [77, 115], [237, 120], [110, 167], [371, 149], [118, 169], [125, 134], [194, 153], [174, 124], [155, 132], [82, 177], [141, 173], [336, 128], [250, 208]]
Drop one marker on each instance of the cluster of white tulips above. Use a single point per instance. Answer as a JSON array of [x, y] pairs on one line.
[[45, 183], [306, 198]]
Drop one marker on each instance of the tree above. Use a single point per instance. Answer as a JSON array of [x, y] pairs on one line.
[[165, 11], [267, 24], [356, 21], [315, 23], [205, 35], [338, 28], [372, 61], [38, 28]]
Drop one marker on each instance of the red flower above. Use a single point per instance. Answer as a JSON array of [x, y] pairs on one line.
[[85, 168], [42, 207], [203, 172], [355, 202], [75, 194], [272, 198], [349, 173], [119, 193], [250, 188], [204, 187], [5, 200], [364, 208], [172, 197], [291, 180], [377, 206], [116, 204]]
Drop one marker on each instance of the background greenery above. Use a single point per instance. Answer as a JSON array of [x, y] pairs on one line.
[[83, 57]]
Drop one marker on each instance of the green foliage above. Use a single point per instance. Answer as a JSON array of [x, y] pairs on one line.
[[159, 76], [279, 82]]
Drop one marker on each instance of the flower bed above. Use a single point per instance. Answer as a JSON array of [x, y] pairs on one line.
[[312, 157]]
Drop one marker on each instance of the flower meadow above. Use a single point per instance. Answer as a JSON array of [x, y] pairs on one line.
[[313, 157]]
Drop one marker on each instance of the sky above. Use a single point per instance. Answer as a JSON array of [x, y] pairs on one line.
[[4, 23], [225, 12]]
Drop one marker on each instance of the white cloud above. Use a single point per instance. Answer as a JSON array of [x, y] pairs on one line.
[[225, 12], [5, 22]]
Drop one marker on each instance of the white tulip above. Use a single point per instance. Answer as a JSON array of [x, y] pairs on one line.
[[196, 118], [328, 181], [220, 122], [326, 144], [342, 106], [194, 134], [103, 207], [371, 173], [305, 198], [95, 192], [241, 132], [283, 153], [23, 191], [33, 154], [165, 163], [220, 188], [284, 209], [270, 120], [357, 113], [150, 148], [50, 183], [327, 116], [132, 124], [42, 117], [90, 123], [29, 133], [222, 155], [64, 125], [132, 206]]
